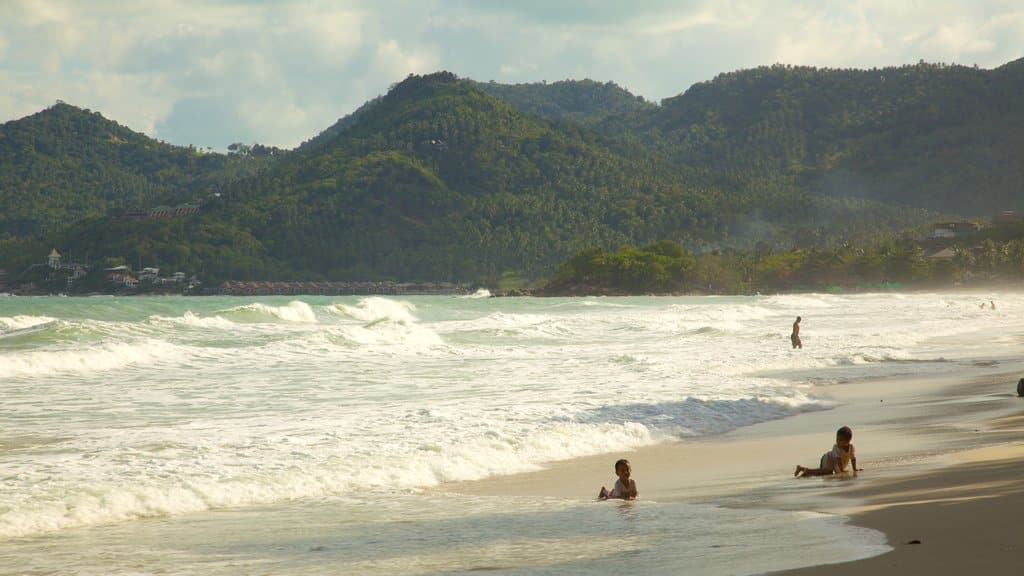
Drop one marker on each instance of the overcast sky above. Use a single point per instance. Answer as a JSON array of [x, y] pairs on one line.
[[213, 72]]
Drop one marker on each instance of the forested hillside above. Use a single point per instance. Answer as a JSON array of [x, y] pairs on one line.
[[65, 163], [580, 101], [933, 136], [448, 179], [439, 180]]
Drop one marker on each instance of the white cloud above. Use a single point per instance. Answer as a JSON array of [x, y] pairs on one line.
[[278, 117], [822, 39], [396, 62], [18, 98], [337, 32], [957, 40], [211, 73], [214, 64], [682, 23], [33, 13], [133, 100]]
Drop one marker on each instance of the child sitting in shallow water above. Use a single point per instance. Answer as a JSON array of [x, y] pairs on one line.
[[625, 487], [834, 461]]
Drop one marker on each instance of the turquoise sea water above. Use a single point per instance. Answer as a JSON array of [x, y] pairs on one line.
[[298, 435]]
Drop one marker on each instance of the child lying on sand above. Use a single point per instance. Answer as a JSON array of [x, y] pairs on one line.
[[625, 487]]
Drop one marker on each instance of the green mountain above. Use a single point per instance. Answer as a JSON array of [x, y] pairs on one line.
[[448, 179], [579, 101], [66, 163], [440, 180], [931, 136]]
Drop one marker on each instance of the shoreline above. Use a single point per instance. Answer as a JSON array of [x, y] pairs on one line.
[[951, 516], [965, 422], [951, 522], [393, 288], [289, 288]]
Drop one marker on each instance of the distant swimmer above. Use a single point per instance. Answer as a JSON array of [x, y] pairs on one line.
[[795, 336], [992, 304]]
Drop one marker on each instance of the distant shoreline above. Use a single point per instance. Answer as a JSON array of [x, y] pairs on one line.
[[261, 288], [391, 288]]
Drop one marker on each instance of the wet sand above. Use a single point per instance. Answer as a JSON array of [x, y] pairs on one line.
[[962, 517], [943, 461]]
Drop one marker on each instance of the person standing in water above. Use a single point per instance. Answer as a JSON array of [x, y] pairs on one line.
[[795, 336]]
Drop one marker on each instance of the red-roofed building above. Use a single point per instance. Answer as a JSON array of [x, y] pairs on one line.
[[954, 229]]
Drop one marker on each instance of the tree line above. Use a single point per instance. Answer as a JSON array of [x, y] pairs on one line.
[[444, 179], [665, 267]]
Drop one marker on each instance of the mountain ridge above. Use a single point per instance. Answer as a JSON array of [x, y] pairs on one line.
[[439, 179]]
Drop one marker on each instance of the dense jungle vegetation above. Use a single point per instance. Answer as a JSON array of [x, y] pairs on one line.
[[992, 257], [448, 179]]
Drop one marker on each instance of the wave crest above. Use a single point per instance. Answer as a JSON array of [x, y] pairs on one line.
[[295, 311]]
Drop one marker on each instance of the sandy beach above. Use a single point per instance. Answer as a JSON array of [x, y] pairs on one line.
[[943, 471], [961, 516]]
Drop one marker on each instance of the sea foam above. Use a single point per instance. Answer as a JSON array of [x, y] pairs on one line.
[[15, 323], [171, 406], [295, 311], [97, 358]]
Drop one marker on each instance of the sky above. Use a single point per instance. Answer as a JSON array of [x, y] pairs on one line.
[[277, 72]]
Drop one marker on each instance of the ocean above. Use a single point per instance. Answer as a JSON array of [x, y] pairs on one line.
[[311, 435]]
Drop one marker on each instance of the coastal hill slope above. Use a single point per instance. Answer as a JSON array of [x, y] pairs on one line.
[[66, 163], [440, 179], [934, 136], [577, 101], [580, 101]]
